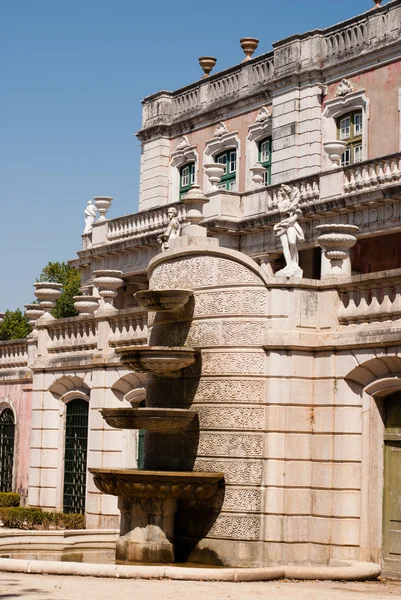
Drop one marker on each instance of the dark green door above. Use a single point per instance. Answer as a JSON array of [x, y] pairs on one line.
[[392, 486], [7, 435], [75, 458]]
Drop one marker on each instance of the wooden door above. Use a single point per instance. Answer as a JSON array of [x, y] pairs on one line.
[[392, 487]]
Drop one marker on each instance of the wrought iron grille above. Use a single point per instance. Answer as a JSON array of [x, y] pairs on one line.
[[76, 444], [7, 435]]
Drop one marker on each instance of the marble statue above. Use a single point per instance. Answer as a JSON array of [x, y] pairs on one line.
[[289, 230], [90, 214], [173, 229]]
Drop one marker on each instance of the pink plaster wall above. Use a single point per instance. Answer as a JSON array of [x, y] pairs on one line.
[[240, 124], [381, 87], [18, 395]]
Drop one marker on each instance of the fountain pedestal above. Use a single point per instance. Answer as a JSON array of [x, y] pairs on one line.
[[148, 503], [146, 530]]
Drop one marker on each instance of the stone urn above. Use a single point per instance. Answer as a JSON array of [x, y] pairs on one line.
[[107, 282], [207, 63], [249, 46], [258, 171], [102, 204], [33, 312], [194, 200], [335, 149], [336, 240], [47, 293], [214, 172], [86, 304]]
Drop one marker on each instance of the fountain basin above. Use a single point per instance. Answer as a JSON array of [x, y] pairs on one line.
[[163, 300], [163, 361], [180, 485], [160, 420], [148, 502]]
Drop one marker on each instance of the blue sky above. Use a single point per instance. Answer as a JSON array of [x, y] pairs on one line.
[[73, 75]]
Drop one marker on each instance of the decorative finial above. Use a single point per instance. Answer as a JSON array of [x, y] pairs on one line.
[[377, 3], [207, 63], [249, 46]]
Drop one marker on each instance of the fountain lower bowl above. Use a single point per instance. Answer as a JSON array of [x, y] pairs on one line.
[[160, 420], [180, 485]]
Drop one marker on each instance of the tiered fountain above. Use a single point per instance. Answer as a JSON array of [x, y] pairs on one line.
[[148, 499]]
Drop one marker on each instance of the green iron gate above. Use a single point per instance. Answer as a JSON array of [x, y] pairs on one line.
[[76, 444], [7, 435]]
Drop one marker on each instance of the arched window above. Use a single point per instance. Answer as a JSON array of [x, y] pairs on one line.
[[75, 457], [229, 179], [7, 435], [187, 178]]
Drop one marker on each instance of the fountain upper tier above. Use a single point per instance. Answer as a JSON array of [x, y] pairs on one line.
[[163, 300], [164, 361]]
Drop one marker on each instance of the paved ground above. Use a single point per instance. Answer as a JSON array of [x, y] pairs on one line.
[[51, 587]]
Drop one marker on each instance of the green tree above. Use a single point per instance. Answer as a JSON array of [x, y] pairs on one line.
[[71, 280], [15, 326]]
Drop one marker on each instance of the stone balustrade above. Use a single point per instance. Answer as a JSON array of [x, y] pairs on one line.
[[71, 335], [370, 174], [82, 334], [243, 79], [143, 223], [128, 327], [373, 298], [13, 354]]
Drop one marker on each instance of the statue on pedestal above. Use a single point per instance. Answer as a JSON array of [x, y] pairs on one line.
[[173, 229], [90, 215], [289, 230]]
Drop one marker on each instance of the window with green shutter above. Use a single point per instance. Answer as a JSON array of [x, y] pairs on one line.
[[187, 178], [265, 158], [349, 130], [229, 179]]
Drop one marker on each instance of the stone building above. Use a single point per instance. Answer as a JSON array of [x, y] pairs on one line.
[[297, 382]]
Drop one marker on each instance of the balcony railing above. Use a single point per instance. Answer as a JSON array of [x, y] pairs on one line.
[[144, 223], [80, 334], [128, 327], [373, 173], [13, 353], [371, 299]]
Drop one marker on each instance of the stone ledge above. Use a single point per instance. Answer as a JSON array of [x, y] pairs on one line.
[[339, 571]]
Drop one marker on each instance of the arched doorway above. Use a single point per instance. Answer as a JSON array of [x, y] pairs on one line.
[[75, 456], [392, 484], [7, 436]]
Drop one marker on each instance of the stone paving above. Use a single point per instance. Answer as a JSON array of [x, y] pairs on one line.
[[43, 587]]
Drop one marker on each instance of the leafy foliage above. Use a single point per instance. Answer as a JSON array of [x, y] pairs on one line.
[[71, 281], [9, 499], [36, 518], [15, 325]]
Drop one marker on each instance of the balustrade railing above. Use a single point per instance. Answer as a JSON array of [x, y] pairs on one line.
[[128, 327], [373, 173], [371, 301], [71, 335], [13, 353], [143, 223]]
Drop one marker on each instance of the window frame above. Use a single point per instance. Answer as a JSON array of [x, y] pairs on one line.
[[353, 139], [183, 189], [267, 164], [228, 181]]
